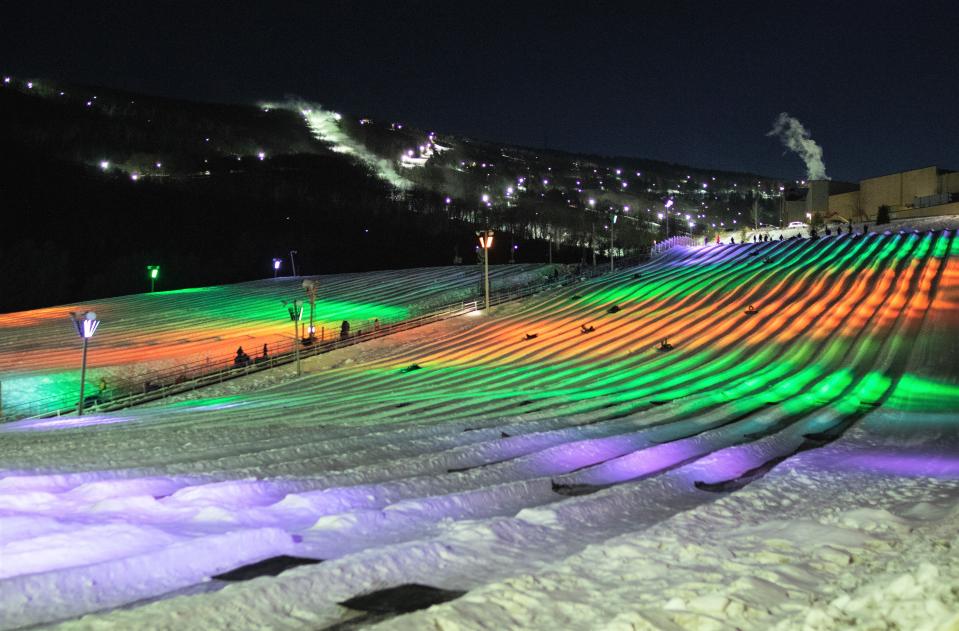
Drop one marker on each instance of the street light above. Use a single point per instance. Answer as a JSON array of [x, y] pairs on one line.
[[293, 261], [310, 286], [295, 309], [486, 242], [612, 226], [154, 272], [276, 266], [669, 204], [86, 325]]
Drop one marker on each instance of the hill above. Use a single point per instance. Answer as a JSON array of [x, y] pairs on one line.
[[792, 463], [99, 183]]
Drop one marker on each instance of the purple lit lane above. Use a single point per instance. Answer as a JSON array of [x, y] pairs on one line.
[[64, 422]]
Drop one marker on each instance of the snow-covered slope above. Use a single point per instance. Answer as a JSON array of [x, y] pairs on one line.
[[39, 350], [794, 465]]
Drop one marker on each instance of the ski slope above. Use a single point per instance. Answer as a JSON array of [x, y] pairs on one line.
[[40, 352], [798, 465]]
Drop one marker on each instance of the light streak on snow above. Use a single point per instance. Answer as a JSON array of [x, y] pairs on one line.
[[325, 126]]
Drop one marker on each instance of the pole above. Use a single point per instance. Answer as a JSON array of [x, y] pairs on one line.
[[611, 237], [296, 345], [83, 376], [152, 280], [486, 274], [592, 241], [549, 242]]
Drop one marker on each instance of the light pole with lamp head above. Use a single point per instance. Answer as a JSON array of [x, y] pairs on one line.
[[86, 325], [310, 287], [486, 242], [154, 272], [295, 309], [669, 204], [276, 266]]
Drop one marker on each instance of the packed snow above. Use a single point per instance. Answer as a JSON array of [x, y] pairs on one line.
[[793, 466]]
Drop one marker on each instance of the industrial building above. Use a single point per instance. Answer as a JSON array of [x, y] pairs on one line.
[[925, 192]]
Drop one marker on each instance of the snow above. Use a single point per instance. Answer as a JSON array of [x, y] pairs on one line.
[[201, 328], [795, 468]]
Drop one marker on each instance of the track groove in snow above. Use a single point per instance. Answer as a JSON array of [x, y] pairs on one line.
[[448, 475]]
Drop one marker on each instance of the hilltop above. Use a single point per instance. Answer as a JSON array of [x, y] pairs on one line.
[[102, 182]]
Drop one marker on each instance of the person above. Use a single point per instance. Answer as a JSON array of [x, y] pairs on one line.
[[828, 232], [664, 345], [102, 386], [717, 239], [586, 329], [865, 228], [376, 324], [732, 240], [344, 330], [750, 310], [241, 359], [780, 236], [266, 353], [705, 240]]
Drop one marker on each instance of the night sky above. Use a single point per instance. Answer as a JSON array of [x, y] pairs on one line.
[[698, 83]]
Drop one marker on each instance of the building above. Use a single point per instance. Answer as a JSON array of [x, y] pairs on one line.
[[922, 192]]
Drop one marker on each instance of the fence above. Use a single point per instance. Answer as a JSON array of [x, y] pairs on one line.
[[159, 383], [671, 242]]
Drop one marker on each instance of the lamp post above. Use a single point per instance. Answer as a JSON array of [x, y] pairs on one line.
[[592, 232], [612, 225], [293, 261], [153, 271], [486, 242], [86, 325], [276, 266], [295, 309], [669, 204], [310, 287]]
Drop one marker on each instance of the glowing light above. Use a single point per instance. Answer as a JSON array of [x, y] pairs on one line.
[[448, 200], [6, 79], [154, 271], [277, 263], [485, 198], [159, 165], [29, 85], [669, 203], [261, 155], [104, 164], [134, 176], [592, 202], [545, 182]]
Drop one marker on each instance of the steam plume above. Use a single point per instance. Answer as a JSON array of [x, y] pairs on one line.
[[795, 137]]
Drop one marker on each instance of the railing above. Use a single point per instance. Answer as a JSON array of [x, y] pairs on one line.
[[671, 242], [156, 384]]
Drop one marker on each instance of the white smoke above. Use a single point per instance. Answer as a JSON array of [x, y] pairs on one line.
[[795, 137], [325, 126]]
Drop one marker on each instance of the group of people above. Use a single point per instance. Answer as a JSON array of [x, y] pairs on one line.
[[242, 359], [813, 234]]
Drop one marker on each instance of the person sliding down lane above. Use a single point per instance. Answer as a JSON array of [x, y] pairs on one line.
[[750, 310], [586, 329], [664, 345]]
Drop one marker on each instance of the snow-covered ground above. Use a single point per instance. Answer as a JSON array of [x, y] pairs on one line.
[[796, 467], [202, 327]]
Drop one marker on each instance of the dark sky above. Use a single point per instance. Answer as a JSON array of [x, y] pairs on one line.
[[876, 83]]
